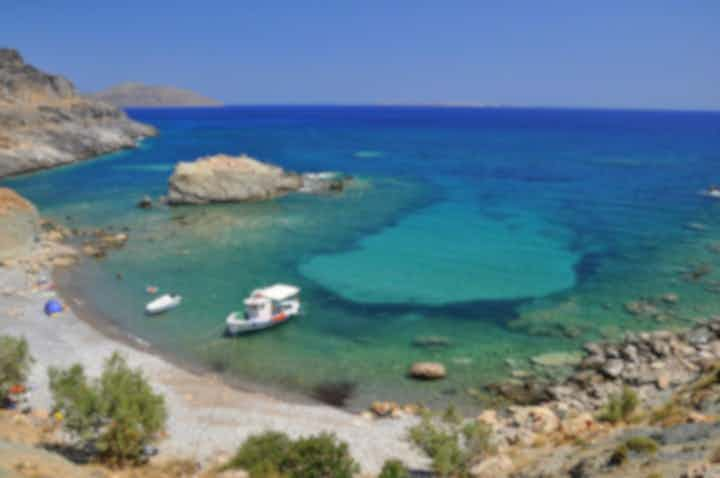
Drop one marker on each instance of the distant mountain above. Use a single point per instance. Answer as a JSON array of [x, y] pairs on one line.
[[138, 94]]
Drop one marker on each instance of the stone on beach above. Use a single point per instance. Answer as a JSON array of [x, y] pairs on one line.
[[428, 370]]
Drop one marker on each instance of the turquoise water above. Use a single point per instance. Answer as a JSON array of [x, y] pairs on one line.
[[509, 233]]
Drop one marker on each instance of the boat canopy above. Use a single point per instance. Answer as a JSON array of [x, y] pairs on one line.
[[277, 292]]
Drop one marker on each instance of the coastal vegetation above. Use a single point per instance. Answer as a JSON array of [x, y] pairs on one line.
[[15, 362], [452, 444], [393, 469], [275, 455], [620, 407], [113, 418]]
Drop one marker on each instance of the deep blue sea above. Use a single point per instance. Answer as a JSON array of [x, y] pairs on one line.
[[498, 234]]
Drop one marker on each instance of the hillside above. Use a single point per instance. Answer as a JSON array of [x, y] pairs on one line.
[[138, 94], [44, 122]]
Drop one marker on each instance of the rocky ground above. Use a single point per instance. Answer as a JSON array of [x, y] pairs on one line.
[[44, 122], [223, 178]]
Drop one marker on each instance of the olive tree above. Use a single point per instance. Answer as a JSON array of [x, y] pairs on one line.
[[114, 417]]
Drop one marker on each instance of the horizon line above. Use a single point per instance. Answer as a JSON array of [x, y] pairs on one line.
[[432, 105]]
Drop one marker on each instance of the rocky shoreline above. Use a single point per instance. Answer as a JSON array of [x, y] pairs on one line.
[[560, 427], [45, 123]]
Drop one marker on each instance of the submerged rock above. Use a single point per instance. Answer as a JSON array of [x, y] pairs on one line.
[[557, 359], [145, 203], [431, 341], [222, 178]]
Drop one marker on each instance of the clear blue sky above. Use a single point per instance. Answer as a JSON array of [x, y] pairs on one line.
[[610, 53]]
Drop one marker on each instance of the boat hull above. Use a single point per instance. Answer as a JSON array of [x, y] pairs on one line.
[[162, 304], [238, 326]]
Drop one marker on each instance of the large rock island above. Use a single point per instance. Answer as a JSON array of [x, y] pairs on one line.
[[223, 178], [137, 94], [44, 122]]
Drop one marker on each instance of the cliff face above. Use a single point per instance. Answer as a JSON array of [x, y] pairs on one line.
[[19, 224], [44, 122], [137, 94]]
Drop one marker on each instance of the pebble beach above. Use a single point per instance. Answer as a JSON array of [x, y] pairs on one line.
[[208, 419]]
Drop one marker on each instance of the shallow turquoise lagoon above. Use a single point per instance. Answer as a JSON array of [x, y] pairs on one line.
[[506, 233]]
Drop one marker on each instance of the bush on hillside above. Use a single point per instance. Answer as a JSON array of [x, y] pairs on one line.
[[620, 407], [641, 444], [320, 456], [261, 455], [275, 455], [452, 444], [115, 417], [393, 469], [15, 362]]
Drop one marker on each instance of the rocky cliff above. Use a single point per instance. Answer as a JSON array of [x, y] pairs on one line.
[[44, 122], [223, 178], [19, 225], [138, 94]]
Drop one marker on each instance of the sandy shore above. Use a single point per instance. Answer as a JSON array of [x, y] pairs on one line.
[[207, 417]]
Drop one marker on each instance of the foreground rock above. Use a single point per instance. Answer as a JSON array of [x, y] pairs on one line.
[[223, 178], [427, 371], [45, 123], [19, 225]]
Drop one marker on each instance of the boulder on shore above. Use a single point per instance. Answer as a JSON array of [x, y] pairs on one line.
[[223, 178], [19, 225], [428, 370]]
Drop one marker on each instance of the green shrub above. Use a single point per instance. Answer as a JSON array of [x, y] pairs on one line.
[[115, 417], [452, 445], [261, 455], [275, 455], [669, 414], [620, 407], [642, 444], [321, 456], [15, 362], [393, 469]]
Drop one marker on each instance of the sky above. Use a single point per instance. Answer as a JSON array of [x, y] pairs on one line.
[[566, 53]]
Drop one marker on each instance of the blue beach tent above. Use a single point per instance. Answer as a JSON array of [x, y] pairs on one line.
[[53, 306]]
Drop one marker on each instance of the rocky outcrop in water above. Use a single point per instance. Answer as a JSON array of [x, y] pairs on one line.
[[19, 224], [223, 178], [45, 123]]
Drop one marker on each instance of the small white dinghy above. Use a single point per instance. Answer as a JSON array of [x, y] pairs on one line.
[[265, 308], [711, 192], [163, 303]]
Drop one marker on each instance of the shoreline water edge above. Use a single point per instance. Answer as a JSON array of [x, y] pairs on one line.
[[208, 417]]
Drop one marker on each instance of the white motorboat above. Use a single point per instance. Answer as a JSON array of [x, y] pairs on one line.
[[265, 308], [711, 192], [163, 303]]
